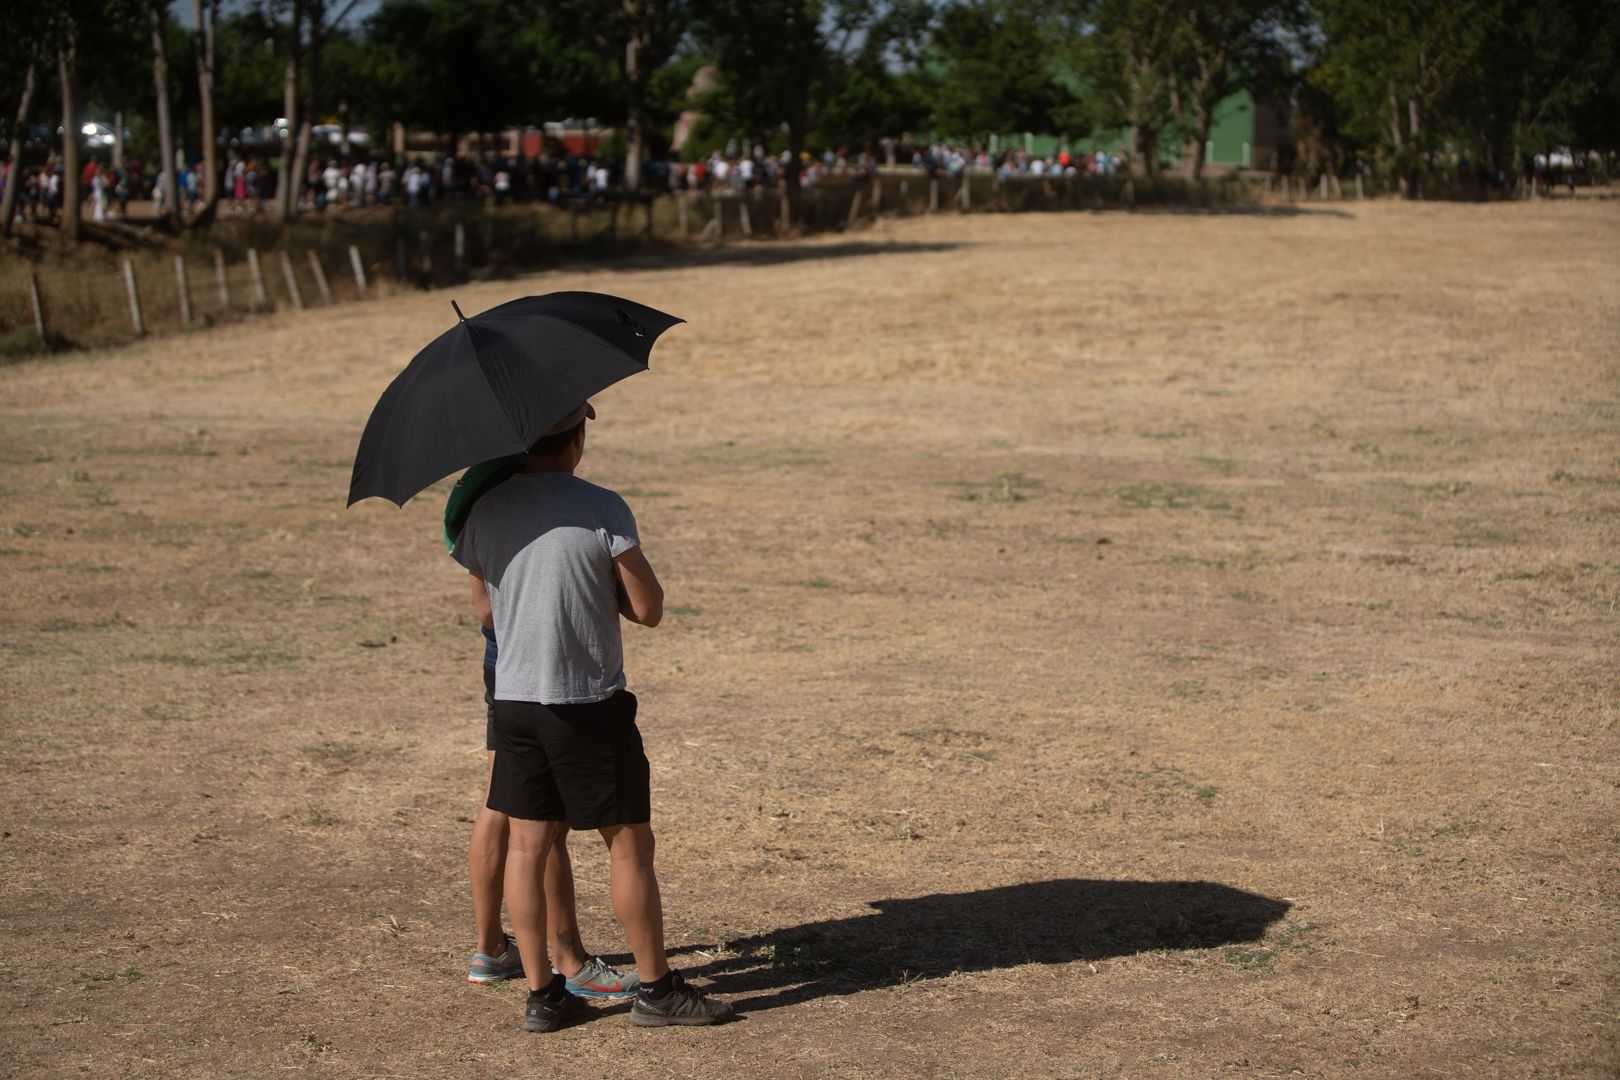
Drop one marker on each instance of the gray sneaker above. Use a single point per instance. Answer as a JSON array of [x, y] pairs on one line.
[[597, 980], [683, 1006]]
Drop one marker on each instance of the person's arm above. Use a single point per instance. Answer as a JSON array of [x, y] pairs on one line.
[[480, 597], [641, 598]]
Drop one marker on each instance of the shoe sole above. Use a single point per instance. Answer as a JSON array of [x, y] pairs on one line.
[[644, 1020], [601, 995], [480, 979]]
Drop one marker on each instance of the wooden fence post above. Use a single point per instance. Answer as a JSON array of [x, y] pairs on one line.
[[933, 195], [319, 271], [743, 219], [966, 193], [787, 212], [359, 269], [184, 292], [292, 280], [854, 211], [134, 298], [424, 241], [877, 193], [1322, 187], [461, 247], [1358, 186], [905, 197], [1285, 188], [681, 199], [1338, 192], [39, 311], [1128, 195], [261, 298], [221, 280]]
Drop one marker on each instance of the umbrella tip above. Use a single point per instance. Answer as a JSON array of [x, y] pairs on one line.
[[459, 315]]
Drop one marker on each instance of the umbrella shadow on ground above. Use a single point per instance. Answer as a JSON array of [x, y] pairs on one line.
[[1046, 922]]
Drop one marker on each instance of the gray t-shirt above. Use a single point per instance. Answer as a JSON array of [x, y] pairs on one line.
[[544, 543]]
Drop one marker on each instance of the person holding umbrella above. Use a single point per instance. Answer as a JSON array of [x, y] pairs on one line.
[[497, 958], [554, 562]]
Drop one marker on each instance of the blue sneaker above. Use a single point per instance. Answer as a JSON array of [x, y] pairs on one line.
[[488, 969], [597, 980]]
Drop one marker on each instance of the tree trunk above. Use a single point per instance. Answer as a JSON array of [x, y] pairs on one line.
[[8, 208], [301, 153], [1206, 120], [205, 16], [288, 182], [67, 64], [635, 84], [160, 79], [1145, 150]]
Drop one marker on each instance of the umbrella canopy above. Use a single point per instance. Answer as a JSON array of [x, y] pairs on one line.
[[492, 385]]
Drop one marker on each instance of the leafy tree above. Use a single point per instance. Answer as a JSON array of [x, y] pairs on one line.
[[1392, 66], [994, 72], [1124, 51], [479, 65], [771, 54], [1218, 45], [790, 65]]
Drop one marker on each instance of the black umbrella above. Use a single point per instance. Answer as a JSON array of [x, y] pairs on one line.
[[493, 384]]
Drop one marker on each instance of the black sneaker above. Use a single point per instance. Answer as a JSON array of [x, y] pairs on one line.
[[543, 1015], [683, 1006]]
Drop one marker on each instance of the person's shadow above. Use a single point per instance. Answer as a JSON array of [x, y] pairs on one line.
[[1045, 922]]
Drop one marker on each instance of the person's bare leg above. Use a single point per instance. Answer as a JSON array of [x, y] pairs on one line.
[[486, 865], [528, 843], [562, 915], [636, 902]]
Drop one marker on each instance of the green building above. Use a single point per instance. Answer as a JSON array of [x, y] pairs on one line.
[[1246, 135]]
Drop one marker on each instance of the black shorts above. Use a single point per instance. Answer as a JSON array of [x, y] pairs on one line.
[[582, 764]]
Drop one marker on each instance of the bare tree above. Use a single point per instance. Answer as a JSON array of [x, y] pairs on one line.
[[205, 15], [159, 15], [8, 207], [287, 183], [1213, 36], [316, 12], [67, 66], [651, 29]]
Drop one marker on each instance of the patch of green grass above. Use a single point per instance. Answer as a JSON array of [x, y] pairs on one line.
[[128, 975], [1259, 956], [176, 659], [1008, 486], [1173, 496]]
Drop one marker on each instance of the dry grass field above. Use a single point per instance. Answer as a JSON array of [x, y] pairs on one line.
[[1173, 645]]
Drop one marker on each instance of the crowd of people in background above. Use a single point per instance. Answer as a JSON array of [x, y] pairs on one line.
[[557, 175]]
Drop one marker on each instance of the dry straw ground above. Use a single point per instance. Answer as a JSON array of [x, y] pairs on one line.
[[1148, 645]]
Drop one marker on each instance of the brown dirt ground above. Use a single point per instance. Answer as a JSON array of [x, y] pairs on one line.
[[1166, 644]]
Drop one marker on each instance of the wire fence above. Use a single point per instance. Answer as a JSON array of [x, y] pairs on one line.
[[249, 265]]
